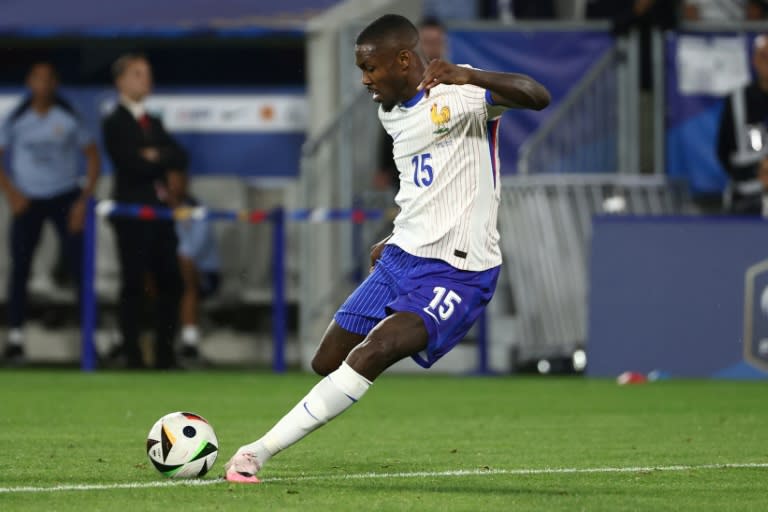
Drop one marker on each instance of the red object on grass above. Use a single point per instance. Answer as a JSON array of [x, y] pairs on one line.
[[631, 378]]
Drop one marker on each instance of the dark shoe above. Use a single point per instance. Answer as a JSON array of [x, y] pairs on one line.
[[13, 355], [168, 365], [190, 358], [117, 359], [189, 352]]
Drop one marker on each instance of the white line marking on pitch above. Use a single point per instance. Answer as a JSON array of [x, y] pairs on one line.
[[522, 472], [364, 476]]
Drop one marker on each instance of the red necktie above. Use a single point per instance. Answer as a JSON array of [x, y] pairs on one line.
[[145, 123]]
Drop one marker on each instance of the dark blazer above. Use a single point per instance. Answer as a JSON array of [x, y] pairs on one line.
[[136, 178], [756, 111]]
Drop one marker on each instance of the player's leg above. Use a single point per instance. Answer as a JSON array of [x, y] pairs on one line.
[[189, 308], [432, 312], [396, 337], [359, 314], [363, 315], [164, 265], [335, 346], [133, 256], [70, 242], [342, 385], [24, 237]]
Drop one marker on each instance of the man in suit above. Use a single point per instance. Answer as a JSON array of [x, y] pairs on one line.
[[142, 154]]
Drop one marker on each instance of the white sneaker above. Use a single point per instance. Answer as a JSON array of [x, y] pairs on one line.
[[242, 468]]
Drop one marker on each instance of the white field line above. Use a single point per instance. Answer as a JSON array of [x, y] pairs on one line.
[[373, 476]]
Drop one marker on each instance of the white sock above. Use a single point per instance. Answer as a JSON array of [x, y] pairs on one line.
[[329, 398], [190, 335], [15, 336]]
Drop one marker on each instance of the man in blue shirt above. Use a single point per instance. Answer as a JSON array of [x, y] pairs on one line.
[[198, 261], [45, 138]]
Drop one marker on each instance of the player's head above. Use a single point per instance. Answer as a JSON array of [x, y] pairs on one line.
[[432, 36], [760, 58], [387, 52], [42, 81], [133, 76]]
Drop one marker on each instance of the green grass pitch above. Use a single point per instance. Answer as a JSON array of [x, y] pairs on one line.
[[425, 443]]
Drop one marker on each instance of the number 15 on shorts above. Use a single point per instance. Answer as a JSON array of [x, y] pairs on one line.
[[443, 304]]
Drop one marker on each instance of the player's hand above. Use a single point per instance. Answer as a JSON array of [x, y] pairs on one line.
[[151, 154], [441, 72], [376, 250], [18, 202], [76, 220]]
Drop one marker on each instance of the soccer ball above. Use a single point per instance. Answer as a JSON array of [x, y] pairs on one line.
[[182, 445]]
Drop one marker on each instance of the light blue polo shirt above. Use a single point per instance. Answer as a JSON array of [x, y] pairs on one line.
[[198, 243], [45, 151]]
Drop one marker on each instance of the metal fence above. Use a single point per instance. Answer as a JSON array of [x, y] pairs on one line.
[[595, 128], [546, 224]]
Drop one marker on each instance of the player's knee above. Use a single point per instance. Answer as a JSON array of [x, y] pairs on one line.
[[321, 366], [372, 354]]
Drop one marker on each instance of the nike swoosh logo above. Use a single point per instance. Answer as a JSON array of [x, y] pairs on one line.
[[427, 311]]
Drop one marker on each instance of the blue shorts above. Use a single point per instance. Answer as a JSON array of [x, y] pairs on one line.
[[449, 300]]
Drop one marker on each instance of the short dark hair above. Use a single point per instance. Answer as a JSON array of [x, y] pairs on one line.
[[122, 63], [390, 27], [44, 63], [432, 22]]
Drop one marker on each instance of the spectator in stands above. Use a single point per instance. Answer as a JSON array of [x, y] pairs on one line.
[[510, 10], [643, 16], [199, 263], [451, 9], [434, 45], [723, 10], [743, 138], [433, 39], [45, 137], [757, 9], [143, 153]]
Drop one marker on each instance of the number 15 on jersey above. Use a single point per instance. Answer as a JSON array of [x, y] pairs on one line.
[[423, 175]]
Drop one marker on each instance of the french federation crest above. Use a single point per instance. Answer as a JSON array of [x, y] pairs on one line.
[[440, 118], [756, 316]]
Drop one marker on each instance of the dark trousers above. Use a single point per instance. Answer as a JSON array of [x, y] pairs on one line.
[[148, 249], [24, 237]]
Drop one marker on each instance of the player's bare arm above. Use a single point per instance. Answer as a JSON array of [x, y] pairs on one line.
[[377, 249], [511, 90]]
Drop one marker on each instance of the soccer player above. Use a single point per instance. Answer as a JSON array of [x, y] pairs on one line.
[[434, 275]]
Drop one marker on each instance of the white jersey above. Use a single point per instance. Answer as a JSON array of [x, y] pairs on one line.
[[446, 151]]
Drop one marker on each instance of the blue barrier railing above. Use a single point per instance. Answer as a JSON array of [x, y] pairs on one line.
[[88, 292], [278, 218]]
